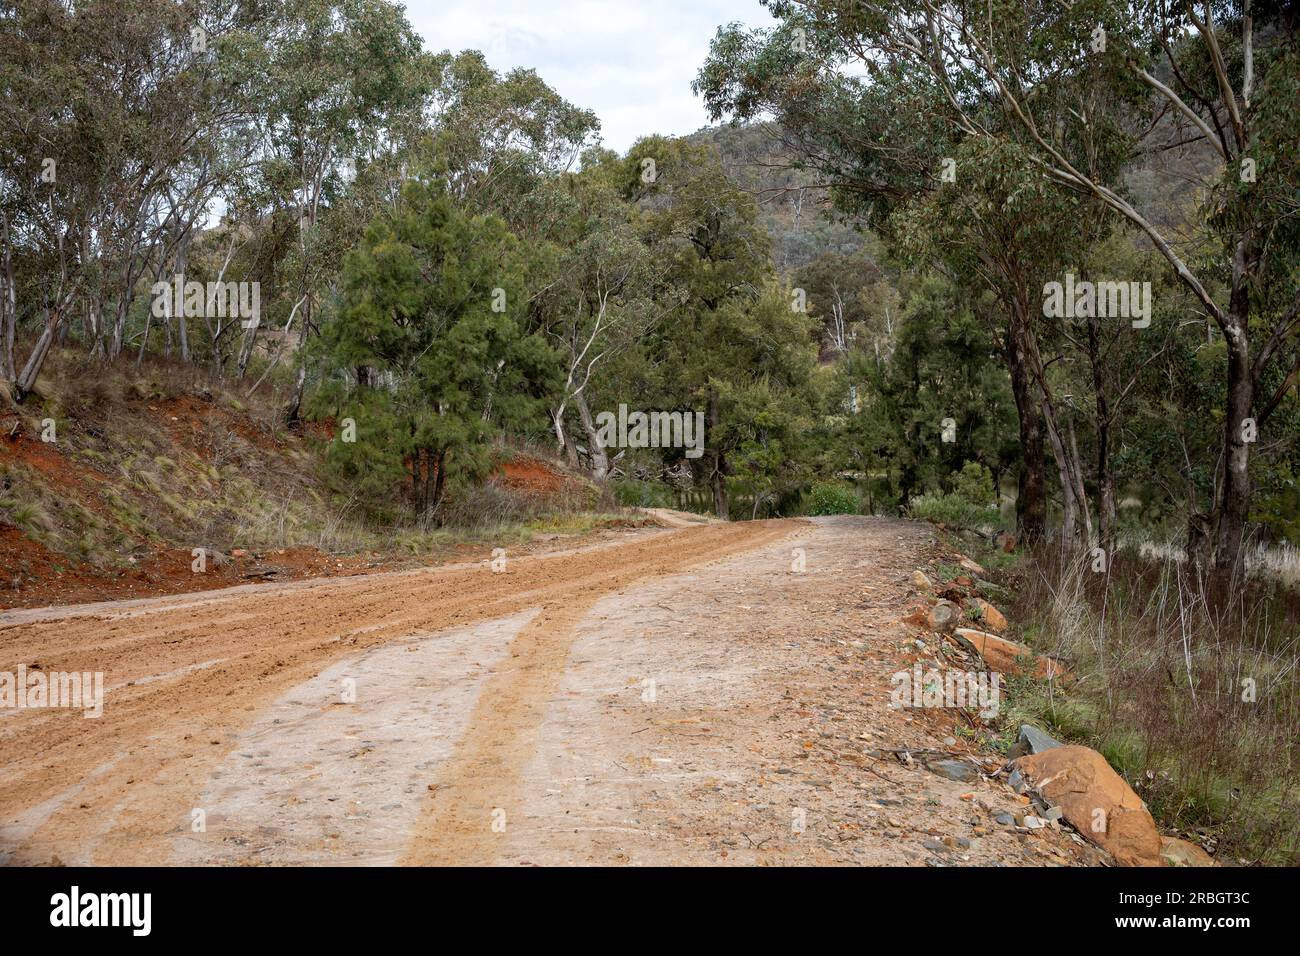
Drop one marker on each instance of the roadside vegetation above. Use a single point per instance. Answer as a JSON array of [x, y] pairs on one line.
[[1189, 692]]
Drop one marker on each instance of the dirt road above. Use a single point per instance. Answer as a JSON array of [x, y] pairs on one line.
[[700, 695]]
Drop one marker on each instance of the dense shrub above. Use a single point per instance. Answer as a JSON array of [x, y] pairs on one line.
[[971, 503], [833, 498], [974, 484]]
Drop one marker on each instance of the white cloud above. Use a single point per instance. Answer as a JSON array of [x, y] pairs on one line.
[[632, 64]]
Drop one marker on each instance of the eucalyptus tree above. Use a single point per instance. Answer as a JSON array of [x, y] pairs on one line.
[[896, 147], [47, 180], [495, 138], [603, 292], [1099, 76], [333, 73], [116, 130], [731, 333]]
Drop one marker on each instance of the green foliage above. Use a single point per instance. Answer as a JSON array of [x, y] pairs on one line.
[[430, 328], [731, 345], [942, 365], [631, 493], [656, 279], [974, 483], [833, 498], [365, 471], [952, 509], [970, 503]]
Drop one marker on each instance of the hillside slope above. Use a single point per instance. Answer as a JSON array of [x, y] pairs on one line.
[[110, 482]]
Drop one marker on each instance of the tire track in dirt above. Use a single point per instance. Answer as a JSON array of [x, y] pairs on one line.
[[112, 789], [482, 777]]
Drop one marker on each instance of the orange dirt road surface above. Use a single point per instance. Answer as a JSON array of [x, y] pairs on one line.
[[184, 676], [699, 695]]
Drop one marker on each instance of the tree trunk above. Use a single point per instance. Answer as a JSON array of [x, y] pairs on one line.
[[1069, 495], [563, 445], [721, 507], [599, 459], [182, 260], [1107, 517], [245, 352], [292, 413], [294, 410], [1074, 497], [119, 326], [94, 325], [8, 310], [32, 370], [1234, 497], [439, 465], [1031, 500], [1069, 501], [144, 339]]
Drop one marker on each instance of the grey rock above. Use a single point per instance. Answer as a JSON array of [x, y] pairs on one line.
[[957, 770], [944, 616], [1037, 740]]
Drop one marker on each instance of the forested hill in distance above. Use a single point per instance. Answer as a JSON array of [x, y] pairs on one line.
[[794, 206]]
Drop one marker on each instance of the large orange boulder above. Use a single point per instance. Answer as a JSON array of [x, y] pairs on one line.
[[1001, 654], [1096, 801]]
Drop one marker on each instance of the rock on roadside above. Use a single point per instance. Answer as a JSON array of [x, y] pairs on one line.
[[943, 617], [1176, 852], [1033, 741], [958, 770], [1096, 801], [1001, 654], [989, 615]]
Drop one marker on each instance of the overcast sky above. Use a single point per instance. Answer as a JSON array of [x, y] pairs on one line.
[[630, 62]]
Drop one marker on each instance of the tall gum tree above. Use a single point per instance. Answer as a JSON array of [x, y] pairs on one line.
[[1226, 75]]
